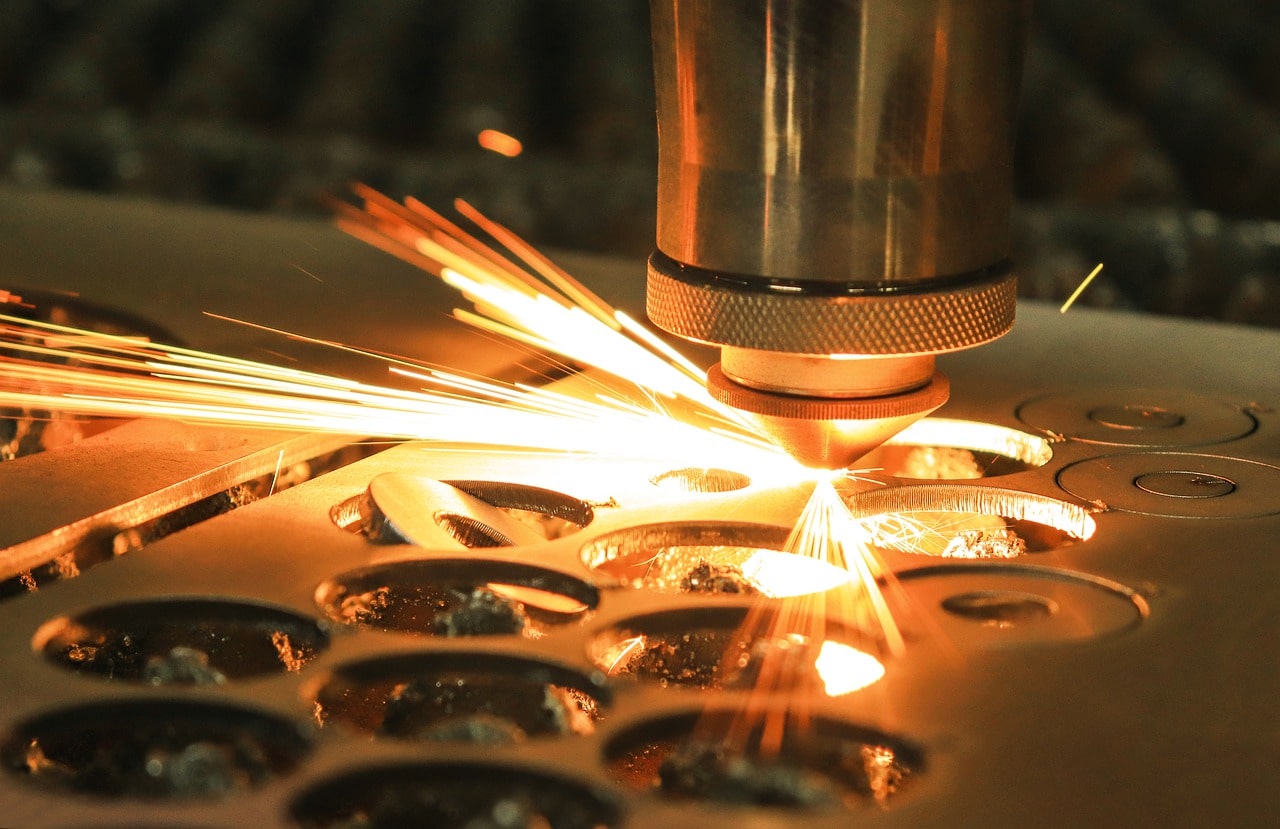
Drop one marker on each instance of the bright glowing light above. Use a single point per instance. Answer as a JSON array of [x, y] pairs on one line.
[[785, 657], [500, 143], [63, 369], [1080, 289], [118, 376], [924, 518], [929, 533], [656, 407], [827, 532], [844, 669], [540, 599], [783, 575], [976, 437], [621, 653]]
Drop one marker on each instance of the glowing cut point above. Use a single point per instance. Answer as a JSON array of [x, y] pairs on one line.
[[500, 143], [844, 669], [786, 575]]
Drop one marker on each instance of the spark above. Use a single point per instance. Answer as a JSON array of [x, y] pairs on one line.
[[897, 531], [1080, 289], [500, 143], [780, 575], [541, 599], [829, 603], [110, 375], [306, 272], [519, 295], [827, 532], [621, 653], [928, 533], [276, 475], [947, 535]]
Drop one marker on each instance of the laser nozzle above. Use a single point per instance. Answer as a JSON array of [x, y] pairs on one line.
[[830, 433]]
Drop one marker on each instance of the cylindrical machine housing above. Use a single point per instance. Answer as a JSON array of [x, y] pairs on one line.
[[835, 176]]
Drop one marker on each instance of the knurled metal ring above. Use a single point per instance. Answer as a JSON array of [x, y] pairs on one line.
[[924, 399], [950, 319]]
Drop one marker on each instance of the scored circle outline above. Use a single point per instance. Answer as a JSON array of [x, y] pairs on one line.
[[1206, 420], [1110, 479]]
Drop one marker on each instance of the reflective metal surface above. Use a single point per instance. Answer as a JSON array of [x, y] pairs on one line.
[[860, 142]]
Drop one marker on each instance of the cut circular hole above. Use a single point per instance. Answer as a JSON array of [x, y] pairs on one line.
[[701, 480], [717, 756], [181, 641], [460, 697], [1000, 607], [732, 648], [938, 448], [154, 749], [457, 597], [955, 521], [455, 795], [694, 557], [402, 508], [993, 605]]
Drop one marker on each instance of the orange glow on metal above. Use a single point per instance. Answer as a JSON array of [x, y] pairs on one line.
[[785, 633], [620, 654], [826, 532], [845, 669], [828, 587], [928, 533], [541, 599], [781, 575], [500, 143]]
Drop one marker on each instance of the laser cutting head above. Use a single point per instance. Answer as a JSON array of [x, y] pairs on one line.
[[834, 186]]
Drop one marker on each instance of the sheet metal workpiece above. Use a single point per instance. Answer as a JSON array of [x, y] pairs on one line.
[[1143, 695]]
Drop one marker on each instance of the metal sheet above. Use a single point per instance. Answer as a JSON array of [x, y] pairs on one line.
[[1148, 699]]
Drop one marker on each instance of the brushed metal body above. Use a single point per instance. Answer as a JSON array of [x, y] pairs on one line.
[[866, 143]]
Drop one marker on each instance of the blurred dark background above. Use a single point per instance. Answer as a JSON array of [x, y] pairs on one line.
[[1149, 137]]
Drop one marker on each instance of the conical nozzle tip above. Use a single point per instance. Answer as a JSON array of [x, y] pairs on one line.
[[824, 433], [832, 444]]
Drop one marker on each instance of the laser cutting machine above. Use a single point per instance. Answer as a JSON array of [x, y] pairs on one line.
[[834, 188], [202, 626]]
